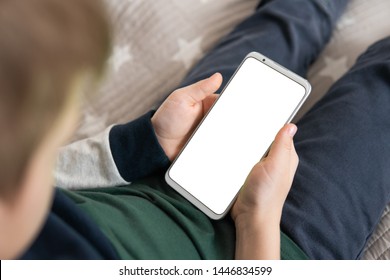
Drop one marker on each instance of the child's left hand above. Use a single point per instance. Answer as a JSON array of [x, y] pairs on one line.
[[181, 112]]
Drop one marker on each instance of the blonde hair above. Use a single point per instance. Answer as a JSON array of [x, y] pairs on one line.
[[43, 44]]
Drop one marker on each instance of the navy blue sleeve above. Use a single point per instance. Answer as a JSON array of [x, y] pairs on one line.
[[136, 150]]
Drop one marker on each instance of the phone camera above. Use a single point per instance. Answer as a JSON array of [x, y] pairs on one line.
[[263, 59]]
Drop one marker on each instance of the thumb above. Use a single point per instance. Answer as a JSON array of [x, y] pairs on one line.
[[200, 90], [283, 143]]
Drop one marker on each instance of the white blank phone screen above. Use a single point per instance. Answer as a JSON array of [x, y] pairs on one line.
[[236, 134]]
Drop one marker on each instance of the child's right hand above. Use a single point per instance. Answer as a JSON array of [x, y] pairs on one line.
[[258, 208], [261, 199]]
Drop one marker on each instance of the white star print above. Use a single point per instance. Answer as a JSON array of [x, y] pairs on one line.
[[334, 68], [189, 51], [120, 56], [345, 21]]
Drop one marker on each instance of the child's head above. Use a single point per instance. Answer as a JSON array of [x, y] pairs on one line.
[[49, 51]]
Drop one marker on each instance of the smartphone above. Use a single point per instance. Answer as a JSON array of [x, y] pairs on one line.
[[236, 133]]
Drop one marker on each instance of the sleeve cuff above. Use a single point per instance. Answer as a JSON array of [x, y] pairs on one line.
[[136, 150]]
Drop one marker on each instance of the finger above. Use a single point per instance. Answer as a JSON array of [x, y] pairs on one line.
[[283, 145], [200, 90], [294, 161], [208, 102]]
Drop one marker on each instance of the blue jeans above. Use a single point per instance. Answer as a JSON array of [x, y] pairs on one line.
[[343, 180]]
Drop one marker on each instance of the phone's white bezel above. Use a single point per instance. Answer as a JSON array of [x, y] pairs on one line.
[[262, 59]]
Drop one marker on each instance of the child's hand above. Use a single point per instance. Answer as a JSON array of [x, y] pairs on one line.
[[258, 208], [181, 112], [266, 188]]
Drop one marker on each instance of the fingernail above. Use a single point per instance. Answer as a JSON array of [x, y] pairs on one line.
[[292, 130], [215, 74]]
